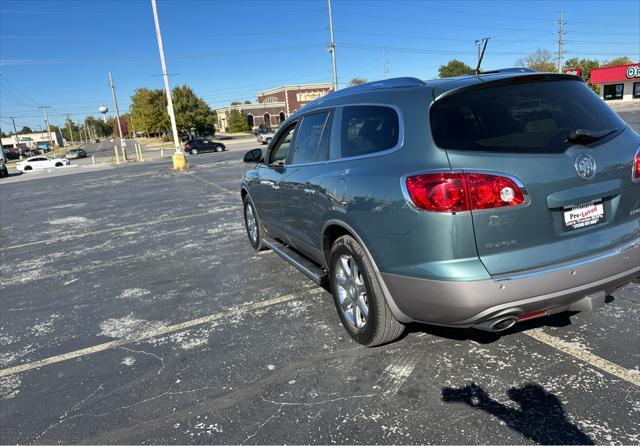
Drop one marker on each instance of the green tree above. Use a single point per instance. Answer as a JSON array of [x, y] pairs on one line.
[[192, 112], [624, 60], [235, 103], [585, 65], [357, 81], [148, 111], [25, 129], [454, 68], [99, 126], [247, 102], [237, 121], [539, 60], [75, 129]]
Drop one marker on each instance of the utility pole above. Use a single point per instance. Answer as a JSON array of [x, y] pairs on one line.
[[70, 128], [15, 135], [46, 120], [561, 32], [123, 143], [332, 49], [479, 44], [165, 75]]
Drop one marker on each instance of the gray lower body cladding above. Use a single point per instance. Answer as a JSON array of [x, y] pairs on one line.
[[463, 304]]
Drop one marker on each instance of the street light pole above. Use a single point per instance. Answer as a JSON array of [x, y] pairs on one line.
[[165, 75], [332, 49], [123, 143]]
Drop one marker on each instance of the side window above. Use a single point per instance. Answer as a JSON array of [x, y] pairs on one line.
[[368, 129], [280, 150], [308, 139]]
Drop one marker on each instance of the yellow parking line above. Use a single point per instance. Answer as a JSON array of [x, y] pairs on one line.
[[583, 355], [235, 311]]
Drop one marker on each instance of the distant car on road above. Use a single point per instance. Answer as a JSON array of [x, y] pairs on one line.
[[201, 145], [3, 167], [76, 153], [41, 162], [265, 138]]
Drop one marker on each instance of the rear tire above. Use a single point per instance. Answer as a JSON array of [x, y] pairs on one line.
[[252, 224], [194, 151], [28, 168], [358, 295]]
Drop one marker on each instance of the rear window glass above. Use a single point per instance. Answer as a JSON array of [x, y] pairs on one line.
[[368, 129], [527, 117]]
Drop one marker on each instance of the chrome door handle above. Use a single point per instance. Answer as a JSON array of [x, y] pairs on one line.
[[309, 191], [270, 183]]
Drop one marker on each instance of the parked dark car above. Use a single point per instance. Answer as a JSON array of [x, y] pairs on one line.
[[475, 201], [76, 153], [11, 155], [3, 168], [201, 145]]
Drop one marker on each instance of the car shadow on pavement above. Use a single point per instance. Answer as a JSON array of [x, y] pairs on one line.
[[484, 337], [540, 417]]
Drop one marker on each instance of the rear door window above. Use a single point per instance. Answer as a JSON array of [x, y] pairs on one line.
[[521, 117], [308, 138], [368, 129]]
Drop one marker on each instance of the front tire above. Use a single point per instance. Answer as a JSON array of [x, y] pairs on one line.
[[358, 295], [252, 224], [58, 165]]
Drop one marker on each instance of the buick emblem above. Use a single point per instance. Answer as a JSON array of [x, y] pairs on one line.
[[585, 166]]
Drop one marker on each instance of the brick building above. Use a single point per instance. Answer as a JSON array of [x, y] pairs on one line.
[[274, 105]]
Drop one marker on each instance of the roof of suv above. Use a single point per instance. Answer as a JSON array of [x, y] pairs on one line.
[[439, 86]]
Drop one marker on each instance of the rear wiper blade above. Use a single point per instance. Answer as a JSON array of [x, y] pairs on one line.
[[587, 136]]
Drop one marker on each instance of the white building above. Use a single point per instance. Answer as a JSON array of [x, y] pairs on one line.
[[32, 140]]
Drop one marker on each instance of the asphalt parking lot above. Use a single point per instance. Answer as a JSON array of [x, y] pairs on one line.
[[135, 311]]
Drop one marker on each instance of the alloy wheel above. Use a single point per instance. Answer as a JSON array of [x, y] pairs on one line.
[[352, 293], [252, 227]]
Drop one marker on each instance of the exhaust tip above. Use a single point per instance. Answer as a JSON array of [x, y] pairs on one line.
[[498, 324], [504, 323]]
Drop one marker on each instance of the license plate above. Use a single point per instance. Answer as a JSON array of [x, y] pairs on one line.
[[582, 215]]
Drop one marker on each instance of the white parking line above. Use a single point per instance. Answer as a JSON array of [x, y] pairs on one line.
[[234, 311], [583, 355]]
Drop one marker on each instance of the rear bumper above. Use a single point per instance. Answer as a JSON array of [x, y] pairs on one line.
[[463, 304]]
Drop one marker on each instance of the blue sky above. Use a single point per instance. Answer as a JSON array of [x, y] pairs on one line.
[[58, 53]]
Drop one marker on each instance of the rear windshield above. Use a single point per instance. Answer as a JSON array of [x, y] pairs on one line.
[[527, 117]]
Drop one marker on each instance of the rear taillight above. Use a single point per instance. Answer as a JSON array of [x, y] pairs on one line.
[[456, 192], [187, 146], [635, 174]]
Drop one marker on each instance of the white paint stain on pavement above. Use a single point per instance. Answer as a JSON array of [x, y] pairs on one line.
[[74, 220], [133, 293], [9, 387], [128, 327]]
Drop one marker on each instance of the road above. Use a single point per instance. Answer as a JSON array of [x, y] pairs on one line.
[[134, 310]]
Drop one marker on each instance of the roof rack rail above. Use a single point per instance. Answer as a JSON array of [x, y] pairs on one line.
[[396, 82], [506, 70]]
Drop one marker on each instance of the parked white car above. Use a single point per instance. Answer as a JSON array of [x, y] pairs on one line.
[[265, 138], [41, 162]]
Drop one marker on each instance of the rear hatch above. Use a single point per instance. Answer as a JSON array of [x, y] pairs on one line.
[[572, 154]]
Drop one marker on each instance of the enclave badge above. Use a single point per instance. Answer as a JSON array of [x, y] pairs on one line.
[[585, 166]]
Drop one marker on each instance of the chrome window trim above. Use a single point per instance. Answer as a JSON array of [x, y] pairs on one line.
[[521, 186], [615, 252]]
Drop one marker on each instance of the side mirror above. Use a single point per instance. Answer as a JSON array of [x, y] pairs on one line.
[[253, 156]]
